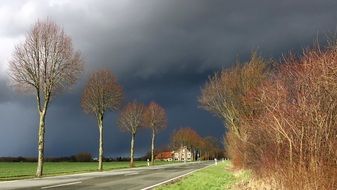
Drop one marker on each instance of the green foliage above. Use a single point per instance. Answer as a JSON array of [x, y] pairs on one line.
[[21, 170], [211, 178]]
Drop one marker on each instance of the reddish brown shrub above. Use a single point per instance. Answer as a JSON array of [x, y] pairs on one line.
[[282, 122]]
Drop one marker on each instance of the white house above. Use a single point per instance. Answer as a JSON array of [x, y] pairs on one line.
[[182, 154]]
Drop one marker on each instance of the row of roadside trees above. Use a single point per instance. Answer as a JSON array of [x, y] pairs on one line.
[[103, 94], [46, 64]]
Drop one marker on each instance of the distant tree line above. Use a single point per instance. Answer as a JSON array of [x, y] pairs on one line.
[[80, 157]]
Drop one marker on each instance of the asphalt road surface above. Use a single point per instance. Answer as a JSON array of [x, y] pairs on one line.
[[134, 178]]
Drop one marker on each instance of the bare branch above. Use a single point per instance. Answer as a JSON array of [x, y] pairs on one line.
[[131, 117], [102, 93], [155, 117]]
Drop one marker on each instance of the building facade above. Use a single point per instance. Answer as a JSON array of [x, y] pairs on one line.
[[182, 154]]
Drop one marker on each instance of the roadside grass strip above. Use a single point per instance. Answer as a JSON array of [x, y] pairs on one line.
[[215, 177]]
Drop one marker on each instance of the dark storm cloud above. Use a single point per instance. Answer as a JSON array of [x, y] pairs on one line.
[[159, 50]]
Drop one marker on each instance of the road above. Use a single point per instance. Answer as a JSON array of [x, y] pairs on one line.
[[130, 179]]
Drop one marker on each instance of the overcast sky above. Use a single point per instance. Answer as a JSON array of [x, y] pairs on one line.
[[160, 50]]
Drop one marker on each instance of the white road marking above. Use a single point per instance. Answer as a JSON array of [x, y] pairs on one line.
[[60, 185], [175, 178], [95, 174]]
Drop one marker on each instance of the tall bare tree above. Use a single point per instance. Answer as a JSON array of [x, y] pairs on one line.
[[44, 64], [101, 94], [154, 118], [131, 118]]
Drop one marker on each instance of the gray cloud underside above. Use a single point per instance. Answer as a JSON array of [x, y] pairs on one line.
[[159, 50]]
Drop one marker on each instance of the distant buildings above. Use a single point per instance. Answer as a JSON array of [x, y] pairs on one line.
[[180, 154], [165, 156]]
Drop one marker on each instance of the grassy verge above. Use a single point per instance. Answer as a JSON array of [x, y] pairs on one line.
[[21, 170], [210, 178]]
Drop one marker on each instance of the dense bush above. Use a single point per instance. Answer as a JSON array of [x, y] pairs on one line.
[[282, 121], [297, 114]]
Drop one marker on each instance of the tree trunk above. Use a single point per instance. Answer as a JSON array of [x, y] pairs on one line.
[[100, 150], [39, 170], [152, 146], [132, 150], [192, 153]]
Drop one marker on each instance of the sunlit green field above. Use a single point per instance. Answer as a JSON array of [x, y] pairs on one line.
[[211, 178], [20, 170]]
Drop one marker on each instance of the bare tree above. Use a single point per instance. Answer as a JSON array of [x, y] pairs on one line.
[[223, 93], [186, 137], [154, 118], [44, 64], [101, 94], [131, 118]]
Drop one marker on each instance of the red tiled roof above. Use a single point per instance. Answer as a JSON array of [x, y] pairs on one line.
[[164, 155]]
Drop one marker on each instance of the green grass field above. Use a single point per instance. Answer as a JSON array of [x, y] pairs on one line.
[[211, 178], [21, 170]]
